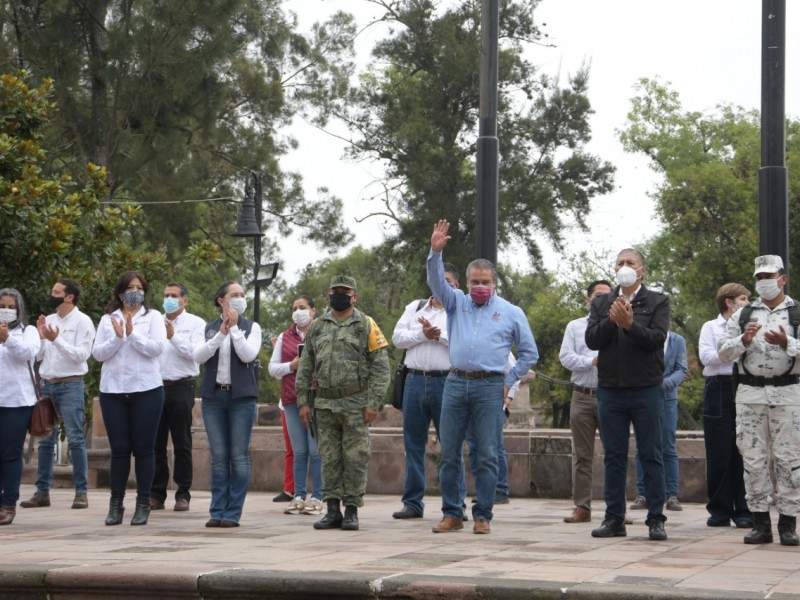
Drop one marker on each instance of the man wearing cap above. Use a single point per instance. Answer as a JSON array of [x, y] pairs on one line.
[[762, 338], [345, 354], [482, 328]]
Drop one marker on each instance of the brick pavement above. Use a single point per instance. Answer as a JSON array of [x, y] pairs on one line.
[[531, 553]]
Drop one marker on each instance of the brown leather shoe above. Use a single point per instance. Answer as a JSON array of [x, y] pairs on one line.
[[156, 504], [181, 504], [448, 524], [7, 514], [481, 526], [579, 515]]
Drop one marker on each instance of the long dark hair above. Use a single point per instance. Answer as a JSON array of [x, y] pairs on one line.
[[122, 284]]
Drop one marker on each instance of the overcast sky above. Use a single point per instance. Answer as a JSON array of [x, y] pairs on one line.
[[708, 50]]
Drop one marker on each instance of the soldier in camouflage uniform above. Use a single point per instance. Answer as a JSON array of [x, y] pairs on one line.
[[345, 355], [767, 400]]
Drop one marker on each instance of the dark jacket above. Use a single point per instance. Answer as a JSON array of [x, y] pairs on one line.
[[244, 381], [632, 358]]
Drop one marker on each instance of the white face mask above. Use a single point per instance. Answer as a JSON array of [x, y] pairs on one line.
[[768, 289], [302, 317], [7, 315], [238, 304], [626, 276]]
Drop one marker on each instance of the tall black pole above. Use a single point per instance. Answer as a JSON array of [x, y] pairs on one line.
[[257, 247], [773, 181], [488, 145]]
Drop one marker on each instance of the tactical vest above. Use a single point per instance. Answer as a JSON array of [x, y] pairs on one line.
[[744, 318]]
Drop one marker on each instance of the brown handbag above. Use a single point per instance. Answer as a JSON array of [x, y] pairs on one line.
[[43, 417]]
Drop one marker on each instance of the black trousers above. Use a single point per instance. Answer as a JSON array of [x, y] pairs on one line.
[[724, 468], [176, 421]]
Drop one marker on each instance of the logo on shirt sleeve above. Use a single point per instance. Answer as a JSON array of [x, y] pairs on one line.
[[376, 338]]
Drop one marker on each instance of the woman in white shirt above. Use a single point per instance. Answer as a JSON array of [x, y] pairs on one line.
[[130, 338], [19, 344], [229, 391]]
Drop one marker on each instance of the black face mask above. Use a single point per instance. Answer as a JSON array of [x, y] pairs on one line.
[[340, 302], [53, 302]]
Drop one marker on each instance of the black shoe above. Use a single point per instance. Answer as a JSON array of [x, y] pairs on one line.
[[283, 497], [350, 521], [332, 519], [610, 527], [406, 513], [762, 529], [657, 532], [743, 523], [142, 512], [501, 500], [787, 530], [115, 512], [715, 522]]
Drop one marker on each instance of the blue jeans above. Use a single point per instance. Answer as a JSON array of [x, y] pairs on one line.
[[502, 461], [422, 403], [13, 429], [68, 398], [229, 424], [131, 421], [306, 453], [465, 400], [617, 408], [669, 426]]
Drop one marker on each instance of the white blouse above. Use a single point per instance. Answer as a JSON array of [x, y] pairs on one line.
[[17, 354], [130, 362]]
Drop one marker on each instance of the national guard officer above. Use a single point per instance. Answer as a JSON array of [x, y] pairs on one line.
[[345, 352]]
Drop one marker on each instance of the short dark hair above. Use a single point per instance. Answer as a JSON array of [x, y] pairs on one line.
[[122, 284], [180, 286], [451, 268], [594, 284], [71, 287]]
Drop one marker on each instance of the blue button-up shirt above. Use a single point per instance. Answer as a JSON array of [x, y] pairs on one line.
[[481, 336]]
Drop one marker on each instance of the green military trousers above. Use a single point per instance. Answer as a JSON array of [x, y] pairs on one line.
[[344, 448]]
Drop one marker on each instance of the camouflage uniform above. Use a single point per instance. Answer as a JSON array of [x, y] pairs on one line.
[[768, 416], [349, 363]]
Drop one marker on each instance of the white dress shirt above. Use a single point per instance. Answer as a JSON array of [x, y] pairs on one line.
[[576, 356], [67, 355], [246, 349], [130, 362], [17, 354], [177, 360], [423, 354], [276, 367], [710, 335]]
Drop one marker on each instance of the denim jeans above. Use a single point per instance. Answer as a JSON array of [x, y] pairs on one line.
[[617, 409], [422, 403], [176, 421], [669, 426], [306, 454], [465, 400], [229, 424], [724, 466], [13, 429], [68, 399], [502, 461], [131, 421]]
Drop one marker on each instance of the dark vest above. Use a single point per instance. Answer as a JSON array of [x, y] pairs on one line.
[[243, 375], [291, 338]]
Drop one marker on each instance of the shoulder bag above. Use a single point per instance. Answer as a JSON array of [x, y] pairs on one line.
[[43, 417]]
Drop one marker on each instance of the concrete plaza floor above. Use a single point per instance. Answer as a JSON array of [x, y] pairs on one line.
[[59, 553]]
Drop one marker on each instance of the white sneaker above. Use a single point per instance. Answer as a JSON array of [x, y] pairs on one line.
[[313, 507], [295, 507]]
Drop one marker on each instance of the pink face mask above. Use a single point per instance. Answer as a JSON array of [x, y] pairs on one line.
[[480, 294]]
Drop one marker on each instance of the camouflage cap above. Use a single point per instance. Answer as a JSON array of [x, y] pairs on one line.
[[769, 263], [343, 281]]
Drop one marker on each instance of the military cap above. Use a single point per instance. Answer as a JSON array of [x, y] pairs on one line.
[[343, 281], [769, 263]]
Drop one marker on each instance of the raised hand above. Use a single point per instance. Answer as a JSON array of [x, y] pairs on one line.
[[430, 332], [128, 324], [439, 238], [170, 328], [117, 325]]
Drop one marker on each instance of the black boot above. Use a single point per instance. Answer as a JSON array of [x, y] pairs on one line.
[[333, 519], [762, 529], [115, 511], [350, 521], [142, 512], [787, 530]]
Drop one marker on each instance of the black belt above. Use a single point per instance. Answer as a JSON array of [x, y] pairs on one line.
[[56, 380], [584, 390], [225, 387], [758, 381], [429, 373], [181, 381], [476, 374], [721, 378]]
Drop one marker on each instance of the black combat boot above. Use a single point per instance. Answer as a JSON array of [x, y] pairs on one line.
[[762, 529], [787, 530], [333, 518], [115, 511], [142, 512], [350, 521]]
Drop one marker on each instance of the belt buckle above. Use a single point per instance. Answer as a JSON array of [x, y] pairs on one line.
[[225, 387]]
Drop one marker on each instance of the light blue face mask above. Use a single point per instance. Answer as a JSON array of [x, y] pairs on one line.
[[171, 305]]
